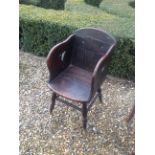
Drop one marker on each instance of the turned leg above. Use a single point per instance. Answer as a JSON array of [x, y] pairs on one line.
[[84, 114], [53, 102], [100, 95]]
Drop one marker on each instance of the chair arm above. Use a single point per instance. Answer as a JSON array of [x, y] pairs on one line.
[[55, 59], [101, 70]]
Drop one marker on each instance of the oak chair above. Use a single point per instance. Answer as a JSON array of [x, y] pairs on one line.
[[78, 66]]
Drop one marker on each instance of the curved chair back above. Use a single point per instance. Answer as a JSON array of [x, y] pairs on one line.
[[89, 45]]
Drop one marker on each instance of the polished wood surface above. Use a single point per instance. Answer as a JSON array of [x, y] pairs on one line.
[[90, 50], [73, 83], [78, 66]]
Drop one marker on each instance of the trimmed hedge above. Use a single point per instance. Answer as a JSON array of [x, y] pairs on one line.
[[33, 2], [132, 4], [93, 2], [81, 6], [40, 29], [54, 4], [121, 8], [123, 61], [38, 37]]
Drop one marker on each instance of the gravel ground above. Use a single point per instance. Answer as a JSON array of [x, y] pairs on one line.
[[61, 133]]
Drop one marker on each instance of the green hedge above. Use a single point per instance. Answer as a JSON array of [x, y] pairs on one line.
[[50, 4], [132, 4], [123, 61], [121, 8], [40, 29], [38, 36], [120, 27], [33, 2], [55, 4], [93, 2], [81, 6]]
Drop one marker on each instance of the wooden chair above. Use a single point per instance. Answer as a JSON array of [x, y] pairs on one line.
[[78, 66]]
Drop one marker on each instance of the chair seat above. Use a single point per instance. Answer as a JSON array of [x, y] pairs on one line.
[[73, 83]]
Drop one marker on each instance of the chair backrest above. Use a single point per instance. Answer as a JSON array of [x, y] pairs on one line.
[[89, 45]]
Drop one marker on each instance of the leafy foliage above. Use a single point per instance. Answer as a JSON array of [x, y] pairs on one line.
[[40, 29], [54, 4], [94, 2], [121, 8]]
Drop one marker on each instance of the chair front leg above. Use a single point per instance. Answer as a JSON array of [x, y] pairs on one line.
[[53, 102], [100, 95], [84, 114]]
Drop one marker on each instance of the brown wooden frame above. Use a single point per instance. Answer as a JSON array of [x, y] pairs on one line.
[[78, 49]]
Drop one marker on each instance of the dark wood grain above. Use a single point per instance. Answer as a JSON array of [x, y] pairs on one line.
[[73, 83], [53, 102], [55, 63], [84, 114], [79, 65]]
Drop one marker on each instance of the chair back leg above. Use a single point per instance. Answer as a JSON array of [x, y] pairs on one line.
[[100, 95], [52, 102], [85, 106], [84, 114]]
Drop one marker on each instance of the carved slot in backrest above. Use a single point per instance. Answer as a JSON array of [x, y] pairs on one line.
[[62, 55], [87, 51]]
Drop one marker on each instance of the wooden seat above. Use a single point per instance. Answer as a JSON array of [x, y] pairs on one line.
[[73, 83], [78, 66]]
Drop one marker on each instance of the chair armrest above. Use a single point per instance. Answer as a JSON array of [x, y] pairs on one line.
[[101, 70], [57, 58]]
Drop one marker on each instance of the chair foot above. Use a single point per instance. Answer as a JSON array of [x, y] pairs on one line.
[[100, 95], [53, 103], [84, 114]]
